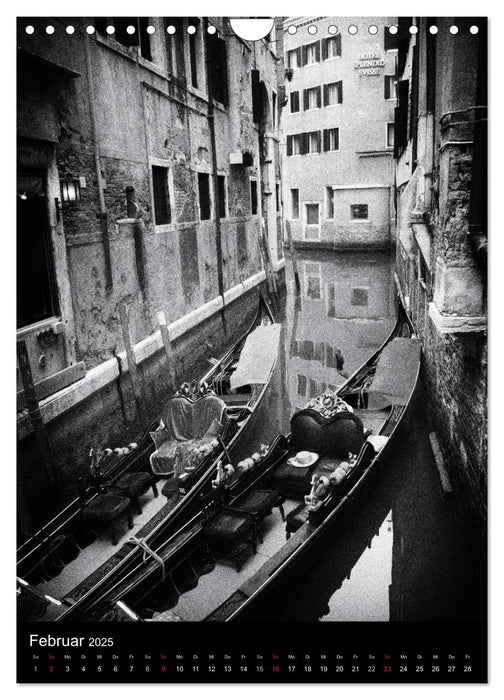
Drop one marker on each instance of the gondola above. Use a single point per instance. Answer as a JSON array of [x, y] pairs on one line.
[[44, 554], [316, 477]]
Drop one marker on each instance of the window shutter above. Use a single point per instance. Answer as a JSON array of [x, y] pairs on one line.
[[318, 141], [304, 143], [336, 138], [386, 87], [324, 49], [304, 56], [318, 96], [326, 95], [289, 145], [340, 91], [326, 139], [317, 52], [338, 44], [299, 57], [305, 100], [294, 101]]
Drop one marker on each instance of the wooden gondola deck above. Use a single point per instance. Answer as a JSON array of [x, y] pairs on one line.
[[216, 586], [93, 557]]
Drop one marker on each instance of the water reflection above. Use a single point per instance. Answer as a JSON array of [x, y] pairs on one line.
[[402, 558]]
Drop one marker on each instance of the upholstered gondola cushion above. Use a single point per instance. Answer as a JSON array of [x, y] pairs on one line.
[[337, 436], [291, 481]]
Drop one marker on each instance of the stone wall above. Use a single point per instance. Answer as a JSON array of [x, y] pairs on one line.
[[109, 417]]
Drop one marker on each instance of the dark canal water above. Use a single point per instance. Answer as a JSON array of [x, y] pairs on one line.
[[404, 557]]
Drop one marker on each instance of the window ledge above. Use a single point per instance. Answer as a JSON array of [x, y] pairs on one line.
[[456, 324]]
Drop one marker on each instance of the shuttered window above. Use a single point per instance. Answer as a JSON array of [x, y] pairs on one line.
[[311, 53], [312, 142], [294, 58], [331, 47], [333, 93], [217, 62], [312, 98], [331, 139], [294, 102]]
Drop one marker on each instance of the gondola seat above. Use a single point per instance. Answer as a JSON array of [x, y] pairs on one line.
[[228, 533], [135, 485], [104, 510], [291, 481], [259, 503], [188, 426]]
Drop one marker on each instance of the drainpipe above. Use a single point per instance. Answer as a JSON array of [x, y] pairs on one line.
[[429, 125], [211, 125], [478, 224], [102, 216]]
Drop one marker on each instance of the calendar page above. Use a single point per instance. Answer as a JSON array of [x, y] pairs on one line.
[[251, 349]]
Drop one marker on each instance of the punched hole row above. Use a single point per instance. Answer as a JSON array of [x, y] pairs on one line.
[[312, 29]]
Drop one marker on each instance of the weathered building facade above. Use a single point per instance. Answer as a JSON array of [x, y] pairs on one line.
[[337, 131], [440, 147], [147, 170]]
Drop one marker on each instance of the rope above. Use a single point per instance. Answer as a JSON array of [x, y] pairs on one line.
[[149, 552]]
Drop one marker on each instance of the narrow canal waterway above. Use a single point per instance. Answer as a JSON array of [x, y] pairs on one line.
[[404, 557]]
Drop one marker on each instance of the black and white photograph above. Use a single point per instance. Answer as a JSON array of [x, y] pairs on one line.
[[251, 343]]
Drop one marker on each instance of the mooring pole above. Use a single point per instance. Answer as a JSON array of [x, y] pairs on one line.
[[165, 336], [36, 419], [130, 355]]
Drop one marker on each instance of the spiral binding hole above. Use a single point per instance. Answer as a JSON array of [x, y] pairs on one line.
[[312, 29], [373, 29]]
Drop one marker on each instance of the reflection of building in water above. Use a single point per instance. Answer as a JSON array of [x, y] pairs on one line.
[[346, 308]]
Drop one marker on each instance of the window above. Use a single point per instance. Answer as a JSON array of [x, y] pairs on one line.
[[359, 296], [331, 139], [313, 142], [193, 50], [175, 47], [221, 188], [391, 41], [204, 196], [295, 145], [294, 203], [274, 109], [390, 86], [217, 61], [359, 211], [390, 134], [162, 209], [331, 47], [312, 214], [333, 93], [330, 202], [294, 102], [311, 53], [301, 385], [253, 197], [139, 38], [294, 58], [278, 196], [311, 98]]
